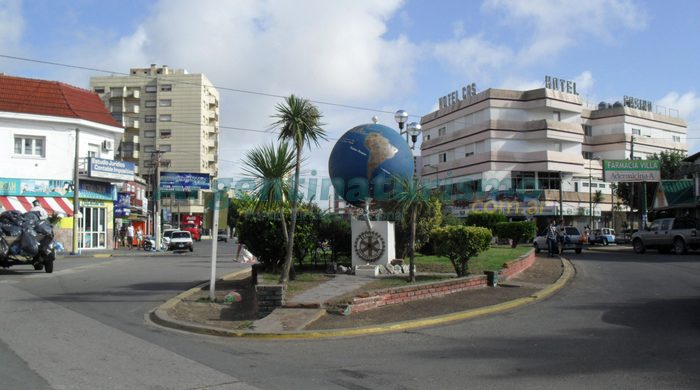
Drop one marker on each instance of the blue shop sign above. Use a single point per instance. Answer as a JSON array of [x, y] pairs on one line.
[[182, 181], [110, 169]]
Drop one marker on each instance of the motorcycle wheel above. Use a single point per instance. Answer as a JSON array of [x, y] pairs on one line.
[[38, 266], [48, 266]]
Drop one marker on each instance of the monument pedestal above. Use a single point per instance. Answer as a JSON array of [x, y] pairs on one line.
[[373, 248]]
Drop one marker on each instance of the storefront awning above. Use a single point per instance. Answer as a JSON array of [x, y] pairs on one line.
[[52, 205]]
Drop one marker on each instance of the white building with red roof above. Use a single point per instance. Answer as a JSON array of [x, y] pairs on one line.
[[39, 120]]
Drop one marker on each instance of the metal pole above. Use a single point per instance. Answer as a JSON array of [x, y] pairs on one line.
[[561, 197], [214, 243], [590, 195], [76, 199], [156, 198]]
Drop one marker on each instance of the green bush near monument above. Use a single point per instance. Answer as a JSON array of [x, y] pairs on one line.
[[460, 243], [517, 232]]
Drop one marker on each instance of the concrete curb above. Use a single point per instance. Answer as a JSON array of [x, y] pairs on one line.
[[160, 316]]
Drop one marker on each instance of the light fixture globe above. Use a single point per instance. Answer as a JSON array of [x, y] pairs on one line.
[[401, 116]]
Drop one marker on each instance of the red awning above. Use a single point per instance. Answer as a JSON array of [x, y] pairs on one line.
[[58, 206]]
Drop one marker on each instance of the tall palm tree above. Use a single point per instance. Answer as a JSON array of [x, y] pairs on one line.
[[270, 167], [412, 196], [299, 122]]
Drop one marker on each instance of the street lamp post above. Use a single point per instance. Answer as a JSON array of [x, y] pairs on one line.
[[590, 191], [401, 116]]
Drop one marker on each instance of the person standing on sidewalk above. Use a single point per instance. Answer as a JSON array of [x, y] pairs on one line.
[[139, 237], [552, 238], [130, 236]]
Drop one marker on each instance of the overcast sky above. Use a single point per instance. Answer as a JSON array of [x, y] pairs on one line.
[[381, 55]]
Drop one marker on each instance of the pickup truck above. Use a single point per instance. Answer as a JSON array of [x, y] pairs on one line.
[[666, 234]]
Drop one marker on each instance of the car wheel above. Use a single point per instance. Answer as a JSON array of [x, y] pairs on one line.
[[537, 248], [679, 246], [38, 266], [191, 249], [638, 246], [578, 250]]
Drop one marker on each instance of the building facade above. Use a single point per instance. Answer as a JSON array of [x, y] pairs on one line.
[[171, 119], [537, 154], [41, 124]]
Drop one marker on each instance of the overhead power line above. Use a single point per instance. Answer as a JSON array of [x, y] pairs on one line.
[[238, 90]]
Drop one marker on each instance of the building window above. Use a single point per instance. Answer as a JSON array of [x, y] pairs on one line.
[[99, 89], [93, 150], [588, 155], [150, 119], [150, 103], [442, 131], [427, 137], [149, 134], [165, 148], [587, 130], [166, 102], [165, 133], [166, 87], [166, 118], [151, 88], [442, 157], [149, 149], [30, 146], [676, 138], [636, 132], [548, 180], [585, 184], [556, 116], [522, 180], [148, 164]]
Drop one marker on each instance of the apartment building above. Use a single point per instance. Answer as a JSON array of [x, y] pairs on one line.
[[538, 153], [169, 111]]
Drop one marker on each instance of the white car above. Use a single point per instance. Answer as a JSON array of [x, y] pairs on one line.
[[167, 233], [572, 240], [180, 241]]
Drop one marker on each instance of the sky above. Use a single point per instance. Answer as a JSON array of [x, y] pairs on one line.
[[356, 59]]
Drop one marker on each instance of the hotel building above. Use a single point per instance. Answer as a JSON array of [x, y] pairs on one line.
[[538, 153], [169, 111]]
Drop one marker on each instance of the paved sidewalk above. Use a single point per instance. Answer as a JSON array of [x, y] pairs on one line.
[[309, 305]]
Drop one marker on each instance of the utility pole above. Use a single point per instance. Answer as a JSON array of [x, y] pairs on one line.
[[156, 199], [561, 196], [214, 241], [632, 184], [76, 199]]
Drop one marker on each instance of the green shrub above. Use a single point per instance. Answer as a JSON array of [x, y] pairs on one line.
[[517, 232], [460, 243], [485, 219]]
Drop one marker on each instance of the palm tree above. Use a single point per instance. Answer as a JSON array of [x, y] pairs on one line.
[[299, 122], [270, 166], [412, 197]]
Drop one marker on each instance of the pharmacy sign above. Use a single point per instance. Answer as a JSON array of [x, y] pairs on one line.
[[632, 170]]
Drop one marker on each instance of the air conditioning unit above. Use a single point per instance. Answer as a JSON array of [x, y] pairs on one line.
[[108, 145]]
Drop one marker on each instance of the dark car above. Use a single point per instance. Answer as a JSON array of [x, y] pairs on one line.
[[222, 235]]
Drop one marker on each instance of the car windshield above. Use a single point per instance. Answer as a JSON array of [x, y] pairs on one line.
[[181, 235], [168, 233]]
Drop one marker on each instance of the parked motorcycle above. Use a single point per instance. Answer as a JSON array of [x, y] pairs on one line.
[[26, 239]]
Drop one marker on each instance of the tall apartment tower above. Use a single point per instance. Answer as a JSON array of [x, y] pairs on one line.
[[166, 110]]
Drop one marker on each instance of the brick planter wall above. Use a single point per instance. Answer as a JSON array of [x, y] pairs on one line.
[[269, 298], [415, 292], [515, 267]]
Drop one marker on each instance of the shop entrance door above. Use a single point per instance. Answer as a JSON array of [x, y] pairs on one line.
[[93, 228]]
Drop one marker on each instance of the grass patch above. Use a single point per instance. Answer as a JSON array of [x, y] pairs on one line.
[[490, 260]]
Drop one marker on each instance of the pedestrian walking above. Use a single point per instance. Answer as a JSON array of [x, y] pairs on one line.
[[551, 238], [39, 210], [139, 237], [130, 236]]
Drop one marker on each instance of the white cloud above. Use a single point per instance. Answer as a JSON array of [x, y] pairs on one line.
[[473, 56], [325, 51], [556, 25], [688, 108], [11, 25]]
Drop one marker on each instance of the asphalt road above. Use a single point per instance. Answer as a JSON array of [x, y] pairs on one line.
[[626, 321]]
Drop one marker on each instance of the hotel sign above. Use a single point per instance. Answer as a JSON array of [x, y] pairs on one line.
[[566, 86], [632, 170], [454, 96], [639, 104]]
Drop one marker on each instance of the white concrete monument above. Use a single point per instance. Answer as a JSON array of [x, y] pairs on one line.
[[372, 248]]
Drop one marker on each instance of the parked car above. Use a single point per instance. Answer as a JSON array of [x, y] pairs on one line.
[[603, 236], [572, 240], [193, 229], [181, 240], [167, 233], [222, 235], [666, 234]]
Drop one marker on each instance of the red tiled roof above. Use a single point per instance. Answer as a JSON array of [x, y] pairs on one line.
[[42, 97]]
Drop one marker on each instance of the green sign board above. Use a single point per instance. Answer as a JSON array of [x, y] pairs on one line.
[[632, 170]]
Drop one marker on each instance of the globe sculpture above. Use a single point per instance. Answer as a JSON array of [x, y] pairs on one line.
[[365, 163]]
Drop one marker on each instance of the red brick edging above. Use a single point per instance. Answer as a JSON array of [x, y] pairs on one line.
[[416, 292]]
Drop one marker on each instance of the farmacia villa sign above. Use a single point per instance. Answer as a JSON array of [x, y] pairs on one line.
[[632, 170]]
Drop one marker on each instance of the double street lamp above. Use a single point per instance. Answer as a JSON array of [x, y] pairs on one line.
[[413, 129], [590, 191]]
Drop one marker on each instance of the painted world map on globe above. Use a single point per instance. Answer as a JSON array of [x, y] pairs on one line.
[[366, 160]]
